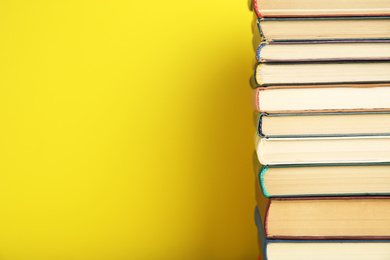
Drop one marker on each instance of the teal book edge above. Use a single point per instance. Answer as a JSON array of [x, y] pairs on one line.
[[264, 241], [263, 135], [264, 169]]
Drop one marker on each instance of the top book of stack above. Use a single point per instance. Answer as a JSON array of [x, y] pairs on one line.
[[320, 8]]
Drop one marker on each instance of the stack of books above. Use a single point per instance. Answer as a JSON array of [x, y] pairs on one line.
[[321, 92]]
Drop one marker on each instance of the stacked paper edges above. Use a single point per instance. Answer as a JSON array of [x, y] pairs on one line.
[[321, 100]]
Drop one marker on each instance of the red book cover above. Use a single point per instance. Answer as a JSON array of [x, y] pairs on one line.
[[343, 8]]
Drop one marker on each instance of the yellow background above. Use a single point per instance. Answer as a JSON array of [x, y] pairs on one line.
[[126, 130]]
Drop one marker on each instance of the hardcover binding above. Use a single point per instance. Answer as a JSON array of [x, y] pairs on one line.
[[255, 96], [321, 237], [254, 5], [264, 241], [261, 174], [256, 8], [264, 169], [264, 37], [258, 45], [257, 83], [258, 52], [261, 133], [260, 123]]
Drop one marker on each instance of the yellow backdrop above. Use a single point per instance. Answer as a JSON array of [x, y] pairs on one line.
[[126, 130]]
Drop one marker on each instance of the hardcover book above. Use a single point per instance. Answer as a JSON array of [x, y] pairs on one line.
[[323, 124], [317, 150], [320, 218], [324, 180], [301, 73], [319, 8], [325, 28], [321, 51], [321, 98], [283, 249]]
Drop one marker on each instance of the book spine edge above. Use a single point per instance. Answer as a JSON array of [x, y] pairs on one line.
[[262, 172], [262, 36], [260, 123], [258, 52], [256, 9], [255, 99]]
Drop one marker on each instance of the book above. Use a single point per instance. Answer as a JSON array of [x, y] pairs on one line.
[[319, 8], [325, 28], [319, 218], [314, 150], [323, 124], [321, 98], [306, 73], [321, 51], [282, 249], [324, 180]]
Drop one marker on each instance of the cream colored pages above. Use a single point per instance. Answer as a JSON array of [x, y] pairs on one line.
[[323, 73], [322, 7], [293, 99], [323, 150], [325, 124], [316, 51], [325, 29], [325, 218], [362, 179], [328, 251]]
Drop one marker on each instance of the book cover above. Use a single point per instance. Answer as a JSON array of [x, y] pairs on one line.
[[321, 98], [323, 28], [323, 150], [316, 212], [285, 8], [323, 249], [370, 183], [320, 51], [313, 73], [335, 120]]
